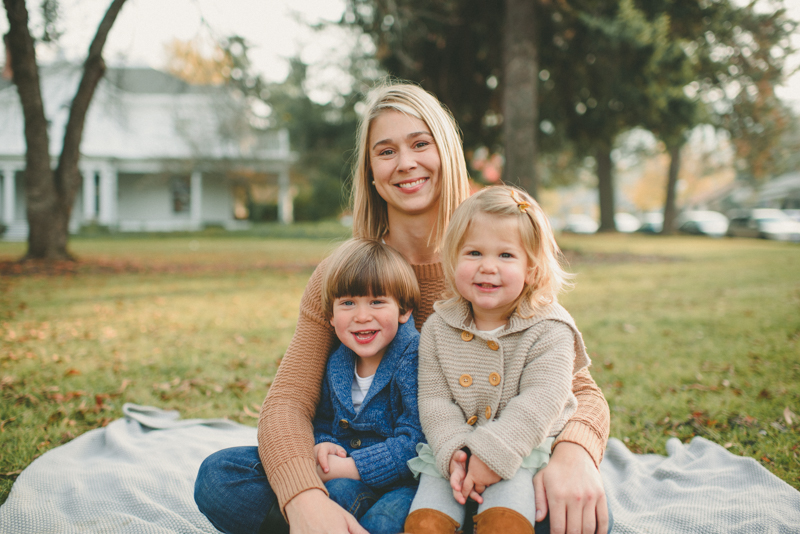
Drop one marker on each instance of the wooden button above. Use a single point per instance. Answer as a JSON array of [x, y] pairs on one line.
[[493, 344], [467, 336], [488, 412], [494, 379], [343, 423], [355, 443], [465, 381], [472, 420]]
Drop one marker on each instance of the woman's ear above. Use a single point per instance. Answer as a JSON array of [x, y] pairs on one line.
[[403, 319]]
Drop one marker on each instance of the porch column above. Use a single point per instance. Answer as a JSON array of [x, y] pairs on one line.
[[285, 207], [108, 196], [196, 198], [89, 194], [9, 194]]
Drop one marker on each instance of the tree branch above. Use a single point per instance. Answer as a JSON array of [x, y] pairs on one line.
[[67, 175]]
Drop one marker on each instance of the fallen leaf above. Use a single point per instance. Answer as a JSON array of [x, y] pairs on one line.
[[250, 413], [72, 372], [789, 416]]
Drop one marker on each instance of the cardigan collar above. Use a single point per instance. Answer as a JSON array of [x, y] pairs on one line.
[[342, 362], [457, 313]]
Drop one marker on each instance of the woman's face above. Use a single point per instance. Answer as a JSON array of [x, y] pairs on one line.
[[405, 164]]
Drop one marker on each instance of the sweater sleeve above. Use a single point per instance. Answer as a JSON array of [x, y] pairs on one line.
[[527, 419], [443, 421], [387, 462], [285, 433], [589, 426]]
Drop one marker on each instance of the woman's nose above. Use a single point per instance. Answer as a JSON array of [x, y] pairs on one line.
[[407, 160]]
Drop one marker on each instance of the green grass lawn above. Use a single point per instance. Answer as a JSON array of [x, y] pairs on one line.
[[688, 336]]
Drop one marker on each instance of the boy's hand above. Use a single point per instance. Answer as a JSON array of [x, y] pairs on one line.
[[458, 472], [325, 449], [339, 468], [479, 477]]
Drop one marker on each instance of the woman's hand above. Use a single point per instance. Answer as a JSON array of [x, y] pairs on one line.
[[312, 512], [571, 488], [325, 449]]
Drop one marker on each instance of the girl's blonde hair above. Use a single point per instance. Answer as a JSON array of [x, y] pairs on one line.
[[370, 216], [546, 278], [366, 267]]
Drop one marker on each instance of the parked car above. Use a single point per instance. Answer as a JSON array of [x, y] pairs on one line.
[[580, 224], [626, 223], [701, 222], [652, 223], [766, 224]]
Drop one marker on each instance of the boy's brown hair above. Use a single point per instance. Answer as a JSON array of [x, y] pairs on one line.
[[361, 267]]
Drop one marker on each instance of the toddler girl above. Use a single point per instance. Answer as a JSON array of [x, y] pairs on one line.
[[496, 363]]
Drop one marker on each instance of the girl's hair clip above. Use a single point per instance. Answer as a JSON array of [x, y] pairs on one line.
[[521, 204]]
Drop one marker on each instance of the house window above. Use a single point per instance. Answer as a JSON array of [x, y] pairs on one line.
[[181, 187]]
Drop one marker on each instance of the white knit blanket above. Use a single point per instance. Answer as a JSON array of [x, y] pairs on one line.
[[137, 476]]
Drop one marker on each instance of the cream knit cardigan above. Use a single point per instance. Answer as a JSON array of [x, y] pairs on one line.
[[535, 359]]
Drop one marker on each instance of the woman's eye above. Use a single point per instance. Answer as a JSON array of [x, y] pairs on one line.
[[386, 152], [421, 144]]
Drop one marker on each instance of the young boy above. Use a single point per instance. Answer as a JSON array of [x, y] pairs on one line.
[[367, 425]]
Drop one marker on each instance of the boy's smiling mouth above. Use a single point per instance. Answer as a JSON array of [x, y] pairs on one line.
[[365, 336]]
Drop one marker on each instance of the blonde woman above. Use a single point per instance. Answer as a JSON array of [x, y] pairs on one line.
[[409, 176]]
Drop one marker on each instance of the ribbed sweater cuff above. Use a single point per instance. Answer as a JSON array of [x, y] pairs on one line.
[[583, 435], [293, 477]]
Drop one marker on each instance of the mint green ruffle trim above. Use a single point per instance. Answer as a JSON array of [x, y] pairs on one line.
[[425, 462]]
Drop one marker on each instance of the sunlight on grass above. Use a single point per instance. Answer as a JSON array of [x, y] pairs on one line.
[[688, 337]]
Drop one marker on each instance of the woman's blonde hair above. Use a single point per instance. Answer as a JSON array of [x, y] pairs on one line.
[[546, 278], [370, 216], [367, 267]]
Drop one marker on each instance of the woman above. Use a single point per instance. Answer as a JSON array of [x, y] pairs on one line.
[[409, 177]]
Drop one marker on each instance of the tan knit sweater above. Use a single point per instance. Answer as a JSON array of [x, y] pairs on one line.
[[501, 393], [285, 433]]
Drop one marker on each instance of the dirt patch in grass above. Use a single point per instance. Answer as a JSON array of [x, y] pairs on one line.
[[95, 267]]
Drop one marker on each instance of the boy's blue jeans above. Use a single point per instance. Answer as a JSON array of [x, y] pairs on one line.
[[232, 491]]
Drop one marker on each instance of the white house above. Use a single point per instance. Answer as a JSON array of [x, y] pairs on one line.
[[157, 153]]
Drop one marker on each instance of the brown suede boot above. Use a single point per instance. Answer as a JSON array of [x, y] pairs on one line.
[[502, 521], [430, 521]]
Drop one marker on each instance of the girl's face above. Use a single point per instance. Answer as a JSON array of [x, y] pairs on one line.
[[491, 269], [405, 164]]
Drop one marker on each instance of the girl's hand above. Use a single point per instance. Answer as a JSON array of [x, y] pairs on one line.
[[458, 471], [479, 477], [325, 449]]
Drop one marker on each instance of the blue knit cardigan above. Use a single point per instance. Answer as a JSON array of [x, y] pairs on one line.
[[384, 434]]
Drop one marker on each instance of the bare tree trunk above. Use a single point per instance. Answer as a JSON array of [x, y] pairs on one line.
[[50, 195], [520, 107], [670, 211], [40, 190], [605, 188]]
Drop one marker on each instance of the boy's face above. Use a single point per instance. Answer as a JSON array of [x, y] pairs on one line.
[[366, 325]]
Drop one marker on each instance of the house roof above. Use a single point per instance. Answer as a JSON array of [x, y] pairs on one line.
[[141, 114]]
